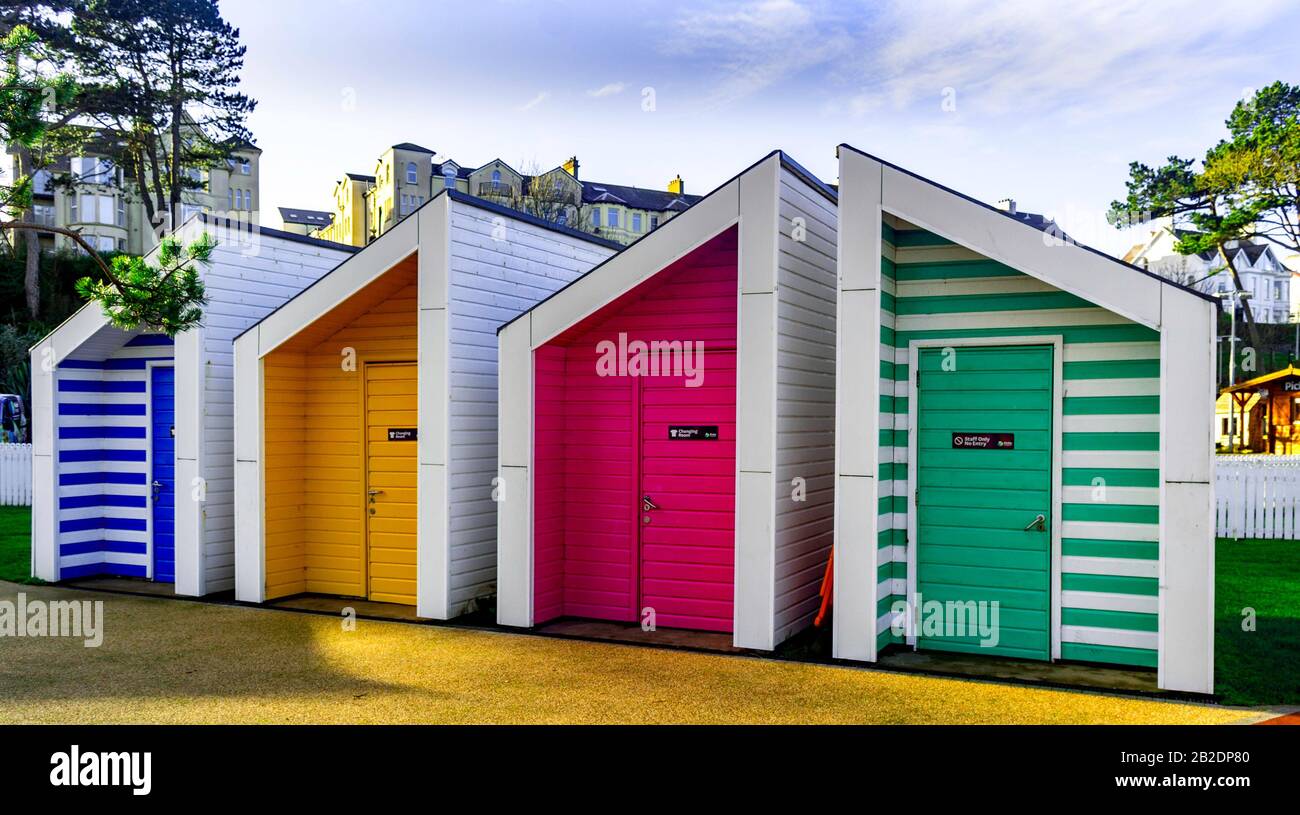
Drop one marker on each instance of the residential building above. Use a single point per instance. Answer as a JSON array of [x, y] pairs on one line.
[[402, 183], [304, 221], [90, 194], [406, 175], [1262, 273], [348, 224]]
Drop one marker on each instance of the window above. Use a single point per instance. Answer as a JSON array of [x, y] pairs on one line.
[[1277, 290], [73, 211], [93, 169], [636, 222], [496, 179], [449, 176], [654, 222], [121, 244], [245, 167], [239, 199], [411, 176], [248, 199], [106, 209], [121, 211], [611, 217], [44, 214], [595, 216], [41, 182], [103, 243]]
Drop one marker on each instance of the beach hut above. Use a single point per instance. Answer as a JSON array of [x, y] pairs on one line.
[[1024, 425], [666, 436], [133, 431], [366, 410]]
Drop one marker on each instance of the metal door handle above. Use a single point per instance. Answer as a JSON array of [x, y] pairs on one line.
[[647, 504], [157, 489], [1037, 524], [374, 492]]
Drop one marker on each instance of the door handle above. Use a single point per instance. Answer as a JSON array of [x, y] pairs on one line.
[[157, 489], [1037, 524], [647, 504]]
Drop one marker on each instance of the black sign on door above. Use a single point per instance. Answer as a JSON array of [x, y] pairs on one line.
[[402, 434], [693, 432], [983, 441]]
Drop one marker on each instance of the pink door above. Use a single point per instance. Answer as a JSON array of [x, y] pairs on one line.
[[688, 495]]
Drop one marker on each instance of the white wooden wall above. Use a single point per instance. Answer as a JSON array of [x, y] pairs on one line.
[[499, 267], [805, 400], [250, 276]]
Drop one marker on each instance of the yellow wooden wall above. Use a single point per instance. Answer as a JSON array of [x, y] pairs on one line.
[[314, 449], [285, 386]]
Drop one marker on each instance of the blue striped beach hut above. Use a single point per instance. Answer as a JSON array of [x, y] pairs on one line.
[[133, 431]]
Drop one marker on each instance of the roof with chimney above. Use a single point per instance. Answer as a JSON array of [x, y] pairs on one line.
[[406, 145], [635, 197]]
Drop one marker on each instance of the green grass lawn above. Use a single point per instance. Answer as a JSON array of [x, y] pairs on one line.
[[15, 544], [1259, 667]]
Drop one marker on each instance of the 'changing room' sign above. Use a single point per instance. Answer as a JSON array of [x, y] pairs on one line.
[[402, 434], [693, 432], [983, 441]]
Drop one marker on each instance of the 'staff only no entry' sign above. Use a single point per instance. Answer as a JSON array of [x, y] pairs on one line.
[[983, 441]]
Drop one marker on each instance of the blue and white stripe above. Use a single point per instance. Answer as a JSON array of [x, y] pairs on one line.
[[103, 460]]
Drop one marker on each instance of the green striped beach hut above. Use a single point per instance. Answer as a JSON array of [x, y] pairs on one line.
[[1024, 437]]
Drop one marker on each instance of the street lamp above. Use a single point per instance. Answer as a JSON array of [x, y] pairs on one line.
[[1232, 300]]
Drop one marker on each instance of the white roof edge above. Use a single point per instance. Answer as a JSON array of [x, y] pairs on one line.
[[1132, 293]]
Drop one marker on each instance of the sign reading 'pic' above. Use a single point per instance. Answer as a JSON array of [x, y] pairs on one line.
[[983, 441]]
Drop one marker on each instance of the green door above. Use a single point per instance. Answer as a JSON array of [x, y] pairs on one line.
[[984, 450]]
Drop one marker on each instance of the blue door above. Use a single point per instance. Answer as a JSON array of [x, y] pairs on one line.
[[162, 389]]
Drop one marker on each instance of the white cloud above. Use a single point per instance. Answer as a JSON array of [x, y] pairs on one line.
[[535, 101], [611, 89], [1086, 58], [1082, 59], [755, 44]]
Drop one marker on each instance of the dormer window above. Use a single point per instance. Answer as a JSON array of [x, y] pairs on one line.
[[411, 173]]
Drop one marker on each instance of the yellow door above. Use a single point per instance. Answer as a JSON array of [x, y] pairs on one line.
[[390, 481]]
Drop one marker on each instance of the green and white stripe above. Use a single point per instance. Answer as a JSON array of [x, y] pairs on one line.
[[932, 288]]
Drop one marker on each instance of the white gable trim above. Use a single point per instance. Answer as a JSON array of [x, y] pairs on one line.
[[1070, 268], [647, 257]]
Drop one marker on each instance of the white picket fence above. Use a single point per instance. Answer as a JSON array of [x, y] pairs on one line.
[[1257, 497], [15, 475]]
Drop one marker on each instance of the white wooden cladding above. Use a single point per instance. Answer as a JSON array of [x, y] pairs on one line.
[[1257, 497], [15, 475]]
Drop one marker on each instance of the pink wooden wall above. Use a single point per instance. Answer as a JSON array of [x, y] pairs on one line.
[[591, 434]]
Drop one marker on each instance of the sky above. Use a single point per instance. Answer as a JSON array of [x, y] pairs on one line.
[[1043, 102]]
